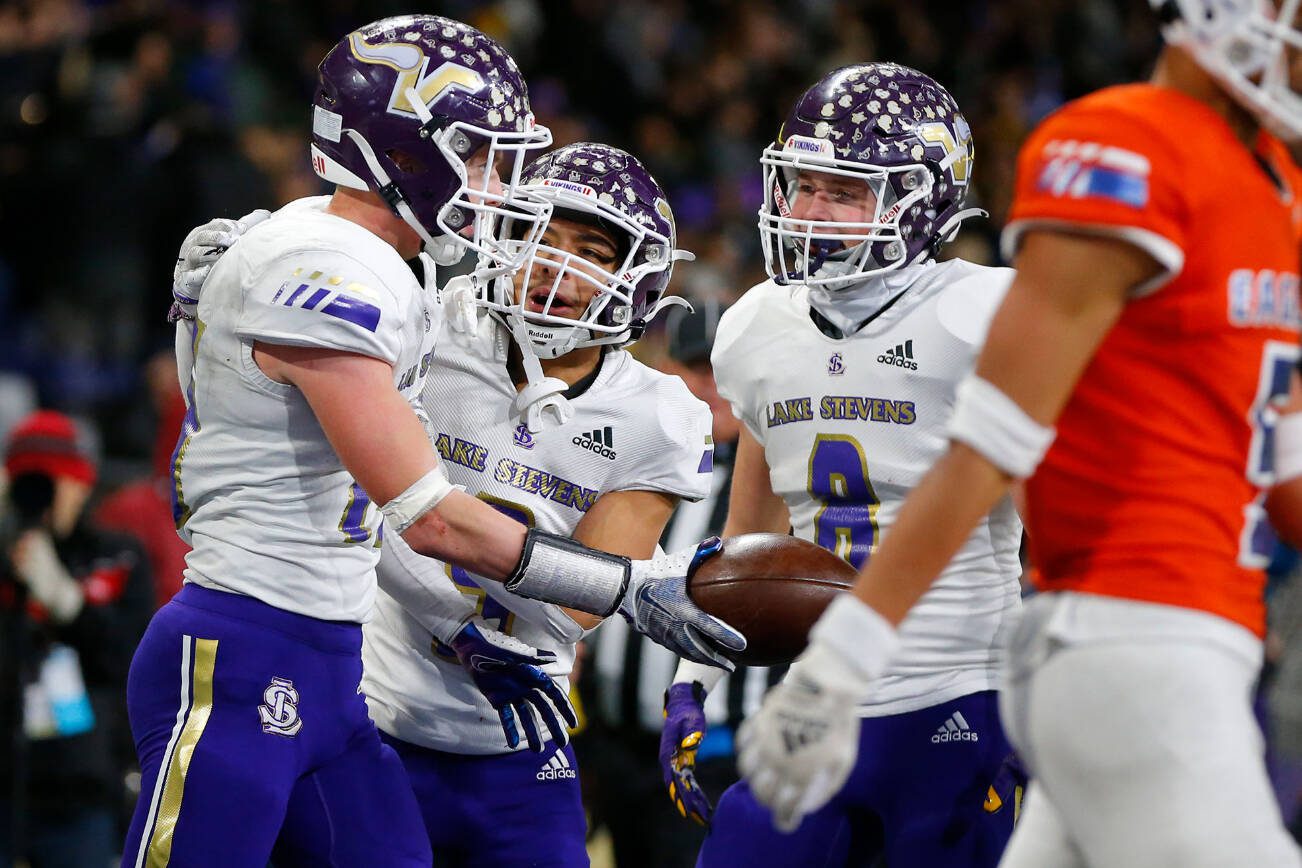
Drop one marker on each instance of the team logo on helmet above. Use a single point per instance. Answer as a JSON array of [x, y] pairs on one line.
[[939, 133], [411, 64]]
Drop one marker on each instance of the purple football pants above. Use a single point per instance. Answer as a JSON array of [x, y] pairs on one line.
[[515, 809], [253, 739], [918, 797]]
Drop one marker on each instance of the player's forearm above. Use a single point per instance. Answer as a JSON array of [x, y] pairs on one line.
[[752, 505], [422, 588], [465, 531], [627, 523], [935, 521]]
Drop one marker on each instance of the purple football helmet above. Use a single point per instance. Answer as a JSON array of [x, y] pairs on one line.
[[602, 185], [403, 104], [898, 131]]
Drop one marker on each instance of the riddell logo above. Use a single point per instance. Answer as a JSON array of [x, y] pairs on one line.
[[556, 769], [954, 729], [900, 356], [600, 441]]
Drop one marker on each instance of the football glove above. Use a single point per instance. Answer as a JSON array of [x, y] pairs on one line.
[[797, 751], [656, 603], [508, 673], [681, 738], [199, 251]]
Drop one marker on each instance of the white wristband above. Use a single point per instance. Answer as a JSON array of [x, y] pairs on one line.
[[1288, 448], [420, 497], [997, 427], [707, 676], [860, 636]]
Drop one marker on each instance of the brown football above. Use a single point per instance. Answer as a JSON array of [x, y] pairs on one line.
[[772, 588]]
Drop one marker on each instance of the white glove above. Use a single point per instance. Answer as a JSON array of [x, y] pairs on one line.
[[201, 248], [47, 580], [798, 749]]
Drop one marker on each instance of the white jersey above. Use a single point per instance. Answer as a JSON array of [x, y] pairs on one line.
[[633, 429], [849, 427], [260, 494]]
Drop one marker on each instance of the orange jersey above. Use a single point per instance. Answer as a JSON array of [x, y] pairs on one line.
[[1151, 490]]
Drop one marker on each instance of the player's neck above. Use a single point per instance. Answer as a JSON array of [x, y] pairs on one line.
[[571, 367], [1177, 70], [369, 211]]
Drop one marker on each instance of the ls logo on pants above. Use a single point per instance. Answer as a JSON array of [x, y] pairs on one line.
[[279, 709]]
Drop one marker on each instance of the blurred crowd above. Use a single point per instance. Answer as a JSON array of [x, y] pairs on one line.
[[124, 122]]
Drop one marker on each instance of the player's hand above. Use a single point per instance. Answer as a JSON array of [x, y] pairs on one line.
[[798, 749], [38, 567], [682, 736], [508, 673], [657, 605], [201, 248]]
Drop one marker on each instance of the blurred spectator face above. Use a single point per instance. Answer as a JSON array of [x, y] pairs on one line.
[[825, 198], [569, 283], [48, 444]]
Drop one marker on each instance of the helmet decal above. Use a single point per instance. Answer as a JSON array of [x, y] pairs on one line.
[[410, 63]]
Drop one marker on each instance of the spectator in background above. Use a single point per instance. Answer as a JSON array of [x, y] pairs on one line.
[[77, 602], [142, 508], [624, 687]]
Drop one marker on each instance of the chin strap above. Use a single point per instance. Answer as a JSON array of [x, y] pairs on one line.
[[543, 396], [950, 227], [459, 305]]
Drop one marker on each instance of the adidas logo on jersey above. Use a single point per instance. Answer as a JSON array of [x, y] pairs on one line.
[[600, 441], [900, 356], [556, 769], [954, 729]]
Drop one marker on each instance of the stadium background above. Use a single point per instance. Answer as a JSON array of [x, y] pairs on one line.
[[125, 122]]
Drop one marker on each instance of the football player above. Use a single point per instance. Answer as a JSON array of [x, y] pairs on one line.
[[635, 441], [1137, 374], [843, 368], [310, 341]]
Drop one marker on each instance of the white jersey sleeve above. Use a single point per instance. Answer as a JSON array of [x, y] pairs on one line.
[[325, 299], [735, 356], [678, 455]]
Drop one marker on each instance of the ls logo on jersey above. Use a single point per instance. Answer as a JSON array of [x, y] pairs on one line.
[[835, 365], [411, 63], [279, 709], [1089, 170], [522, 437]]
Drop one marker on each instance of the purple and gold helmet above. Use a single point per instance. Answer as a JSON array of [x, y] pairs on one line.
[[403, 103], [602, 185], [901, 133]]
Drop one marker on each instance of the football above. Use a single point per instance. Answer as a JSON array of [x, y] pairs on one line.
[[772, 587]]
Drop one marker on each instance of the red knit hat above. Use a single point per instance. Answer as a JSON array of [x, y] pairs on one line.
[[46, 442]]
